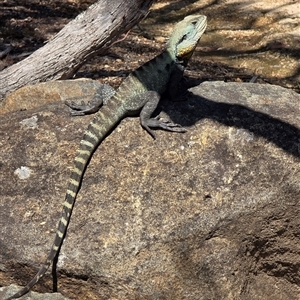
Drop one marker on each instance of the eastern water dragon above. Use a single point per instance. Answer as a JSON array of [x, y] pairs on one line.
[[138, 94]]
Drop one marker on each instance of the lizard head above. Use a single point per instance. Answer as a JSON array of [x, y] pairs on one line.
[[185, 36]]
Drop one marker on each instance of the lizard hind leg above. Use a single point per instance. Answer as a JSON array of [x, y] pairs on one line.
[[102, 95], [83, 109], [145, 116]]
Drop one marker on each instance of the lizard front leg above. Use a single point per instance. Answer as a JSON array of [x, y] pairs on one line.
[[145, 116]]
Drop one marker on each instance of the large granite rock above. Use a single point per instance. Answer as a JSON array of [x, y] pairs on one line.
[[38, 95], [209, 214]]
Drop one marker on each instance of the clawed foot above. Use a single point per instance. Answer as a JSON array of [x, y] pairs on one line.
[[83, 109], [161, 123]]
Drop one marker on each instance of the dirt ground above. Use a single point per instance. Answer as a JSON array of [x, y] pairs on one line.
[[245, 40]]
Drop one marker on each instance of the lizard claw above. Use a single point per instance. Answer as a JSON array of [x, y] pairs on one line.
[[167, 125], [164, 124]]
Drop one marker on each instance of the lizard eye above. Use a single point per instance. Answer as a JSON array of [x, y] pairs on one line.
[[182, 39]]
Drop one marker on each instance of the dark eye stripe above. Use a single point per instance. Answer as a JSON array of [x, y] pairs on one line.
[[183, 38]]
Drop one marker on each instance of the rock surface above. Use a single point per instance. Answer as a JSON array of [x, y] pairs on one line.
[[8, 291], [209, 214], [37, 95]]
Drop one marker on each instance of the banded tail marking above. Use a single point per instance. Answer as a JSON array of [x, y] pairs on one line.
[[99, 127]]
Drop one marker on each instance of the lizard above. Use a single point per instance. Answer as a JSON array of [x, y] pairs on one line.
[[138, 95]]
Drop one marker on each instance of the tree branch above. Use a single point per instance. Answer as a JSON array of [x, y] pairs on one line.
[[90, 33]]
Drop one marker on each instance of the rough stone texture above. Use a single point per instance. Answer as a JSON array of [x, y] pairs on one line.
[[33, 96], [209, 214], [8, 291]]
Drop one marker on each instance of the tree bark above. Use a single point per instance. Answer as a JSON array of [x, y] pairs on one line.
[[90, 33]]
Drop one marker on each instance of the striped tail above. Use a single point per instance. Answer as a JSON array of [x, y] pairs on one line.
[[105, 120]]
